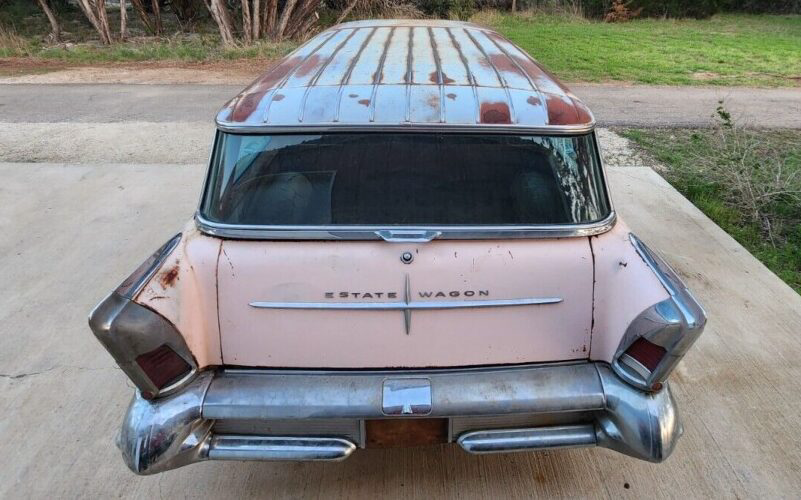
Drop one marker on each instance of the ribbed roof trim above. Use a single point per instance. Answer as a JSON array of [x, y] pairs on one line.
[[388, 73]]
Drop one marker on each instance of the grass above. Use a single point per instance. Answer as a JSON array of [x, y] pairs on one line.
[[753, 50], [775, 237]]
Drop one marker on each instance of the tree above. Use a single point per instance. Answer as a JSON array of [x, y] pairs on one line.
[[95, 12], [123, 20], [153, 26], [55, 28], [219, 12], [261, 19]]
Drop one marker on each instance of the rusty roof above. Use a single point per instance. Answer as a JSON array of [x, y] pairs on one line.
[[406, 73]]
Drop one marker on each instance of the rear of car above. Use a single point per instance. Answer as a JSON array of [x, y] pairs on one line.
[[354, 283]]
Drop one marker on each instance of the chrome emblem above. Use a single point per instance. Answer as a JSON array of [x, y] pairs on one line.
[[407, 305], [406, 396]]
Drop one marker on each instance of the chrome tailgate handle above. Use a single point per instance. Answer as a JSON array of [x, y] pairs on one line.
[[407, 236]]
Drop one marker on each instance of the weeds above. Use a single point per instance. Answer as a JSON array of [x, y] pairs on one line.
[[12, 44], [748, 181]]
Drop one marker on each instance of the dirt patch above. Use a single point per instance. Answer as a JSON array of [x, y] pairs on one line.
[[705, 75], [32, 70], [617, 151]]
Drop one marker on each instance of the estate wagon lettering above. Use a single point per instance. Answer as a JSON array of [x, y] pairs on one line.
[[280, 324]]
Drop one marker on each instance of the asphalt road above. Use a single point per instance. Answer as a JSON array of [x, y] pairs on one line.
[[613, 105], [70, 233]]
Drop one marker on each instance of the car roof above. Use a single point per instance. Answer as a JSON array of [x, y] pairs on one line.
[[406, 74]]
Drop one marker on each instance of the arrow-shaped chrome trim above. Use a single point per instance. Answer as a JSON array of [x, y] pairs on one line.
[[399, 306]]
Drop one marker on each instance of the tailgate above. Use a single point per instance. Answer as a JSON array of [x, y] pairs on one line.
[[355, 304]]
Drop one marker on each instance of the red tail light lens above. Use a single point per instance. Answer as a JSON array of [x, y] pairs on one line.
[[163, 366], [646, 353]]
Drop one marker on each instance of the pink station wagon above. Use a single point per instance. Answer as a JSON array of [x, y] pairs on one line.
[[405, 238]]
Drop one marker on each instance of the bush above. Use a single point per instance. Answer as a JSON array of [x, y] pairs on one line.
[[764, 6], [698, 9], [454, 9]]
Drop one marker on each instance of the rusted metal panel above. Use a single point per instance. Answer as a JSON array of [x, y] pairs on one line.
[[406, 433], [397, 72]]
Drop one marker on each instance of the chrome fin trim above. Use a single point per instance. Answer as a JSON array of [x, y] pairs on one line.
[[673, 324]]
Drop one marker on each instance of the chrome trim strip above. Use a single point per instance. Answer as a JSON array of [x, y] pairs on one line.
[[400, 306], [266, 232], [537, 438], [478, 128], [271, 448]]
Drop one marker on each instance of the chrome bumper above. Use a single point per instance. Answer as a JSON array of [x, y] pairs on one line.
[[292, 415]]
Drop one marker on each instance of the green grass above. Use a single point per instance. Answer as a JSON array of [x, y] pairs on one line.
[[679, 151], [758, 50]]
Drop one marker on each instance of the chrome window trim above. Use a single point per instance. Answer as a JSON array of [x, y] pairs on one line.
[[446, 128], [256, 232]]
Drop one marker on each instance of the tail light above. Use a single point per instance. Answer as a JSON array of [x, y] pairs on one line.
[[658, 338], [147, 347], [163, 366]]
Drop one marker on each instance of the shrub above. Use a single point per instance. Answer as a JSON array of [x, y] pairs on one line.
[[456, 9]]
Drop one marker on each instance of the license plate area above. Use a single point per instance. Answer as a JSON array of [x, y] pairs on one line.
[[405, 432]]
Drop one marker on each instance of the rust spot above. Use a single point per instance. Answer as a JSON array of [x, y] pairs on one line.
[[495, 112], [434, 78], [561, 110], [278, 97], [504, 64], [169, 277], [451, 96], [433, 101], [533, 101], [247, 102], [364, 102], [310, 64], [583, 112]]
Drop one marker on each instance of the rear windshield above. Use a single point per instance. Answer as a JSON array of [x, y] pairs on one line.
[[404, 179]]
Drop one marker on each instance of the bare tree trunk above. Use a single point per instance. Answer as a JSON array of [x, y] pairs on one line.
[[54, 26], [349, 8], [219, 12], [102, 18], [95, 11], [304, 18], [289, 7], [247, 21], [123, 20], [271, 12], [139, 7], [514, 5], [157, 17], [256, 29]]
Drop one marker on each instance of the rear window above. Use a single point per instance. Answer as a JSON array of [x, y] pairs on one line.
[[404, 179]]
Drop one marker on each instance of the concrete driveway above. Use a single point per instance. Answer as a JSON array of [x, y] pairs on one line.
[[71, 233]]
